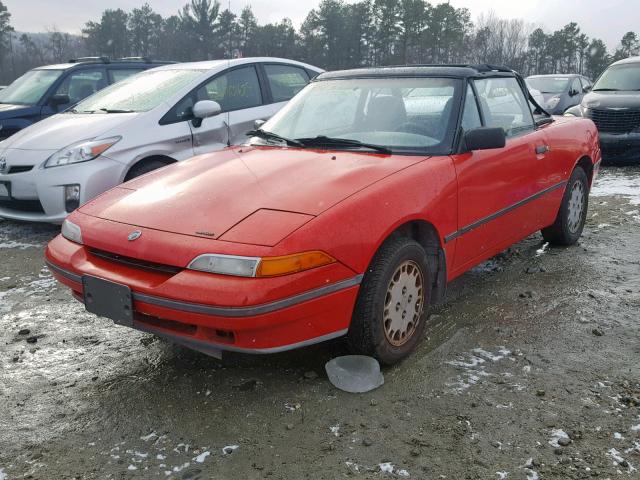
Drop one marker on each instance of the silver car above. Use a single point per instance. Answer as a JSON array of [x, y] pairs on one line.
[[145, 122]]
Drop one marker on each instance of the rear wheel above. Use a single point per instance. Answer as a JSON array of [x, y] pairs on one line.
[[567, 228], [144, 167], [390, 313]]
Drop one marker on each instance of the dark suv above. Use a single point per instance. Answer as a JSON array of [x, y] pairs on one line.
[[614, 106], [48, 90]]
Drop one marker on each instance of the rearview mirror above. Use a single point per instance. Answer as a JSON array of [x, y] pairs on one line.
[[205, 109], [485, 138], [59, 99]]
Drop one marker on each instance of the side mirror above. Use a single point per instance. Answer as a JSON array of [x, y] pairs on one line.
[[257, 125], [59, 99], [205, 109], [485, 138], [587, 88]]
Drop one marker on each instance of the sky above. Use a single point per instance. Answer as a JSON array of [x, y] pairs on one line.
[[606, 19]]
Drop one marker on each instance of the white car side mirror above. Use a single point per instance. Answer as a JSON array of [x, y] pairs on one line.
[[206, 108]]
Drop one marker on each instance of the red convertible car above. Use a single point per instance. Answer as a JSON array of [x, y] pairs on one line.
[[346, 214]]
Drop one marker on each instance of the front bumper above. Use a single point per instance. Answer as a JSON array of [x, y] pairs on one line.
[[318, 308], [620, 147], [38, 195]]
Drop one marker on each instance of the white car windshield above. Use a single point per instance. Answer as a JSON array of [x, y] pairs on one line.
[[30, 87], [400, 114], [138, 93]]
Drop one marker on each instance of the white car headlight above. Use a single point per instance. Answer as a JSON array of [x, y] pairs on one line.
[[226, 265], [72, 232], [80, 152], [553, 102], [260, 266]]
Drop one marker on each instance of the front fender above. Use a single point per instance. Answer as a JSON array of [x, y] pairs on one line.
[[575, 111]]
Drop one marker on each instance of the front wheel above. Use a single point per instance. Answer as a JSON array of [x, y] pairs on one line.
[[390, 314], [567, 228]]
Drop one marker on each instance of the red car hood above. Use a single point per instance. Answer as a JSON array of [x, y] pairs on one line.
[[212, 193]]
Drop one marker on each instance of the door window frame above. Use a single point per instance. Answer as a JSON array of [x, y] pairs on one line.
[[170, 118], [265, 79], [534, 126]]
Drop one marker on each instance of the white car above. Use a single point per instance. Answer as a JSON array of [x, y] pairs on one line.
[[147, 121]]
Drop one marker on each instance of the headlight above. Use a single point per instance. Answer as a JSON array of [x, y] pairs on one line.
[[72, 232], [226, 265], [553, 102], [260, 267], [80, 152]]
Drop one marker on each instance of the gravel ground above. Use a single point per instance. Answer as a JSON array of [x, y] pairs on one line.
[[529, 371]]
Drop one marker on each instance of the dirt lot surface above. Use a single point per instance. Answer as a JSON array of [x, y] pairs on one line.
[[530, 370]]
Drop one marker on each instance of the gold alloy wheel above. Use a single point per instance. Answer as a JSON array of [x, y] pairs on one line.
[[403, 304]]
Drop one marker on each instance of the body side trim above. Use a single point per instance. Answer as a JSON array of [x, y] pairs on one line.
[[499, 213]]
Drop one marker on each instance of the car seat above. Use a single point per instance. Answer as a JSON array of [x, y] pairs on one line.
[[385, 113]]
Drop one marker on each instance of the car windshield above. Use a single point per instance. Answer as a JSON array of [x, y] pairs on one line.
[[412, 115], [138, 93], [549, 84], [30, 87], [620, 77]]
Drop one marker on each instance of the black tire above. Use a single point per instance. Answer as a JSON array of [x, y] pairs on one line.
[[368, 333], [144, 167], [567, 228]]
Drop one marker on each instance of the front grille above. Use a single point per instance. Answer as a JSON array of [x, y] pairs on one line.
[[134, 262], [30, 206], [20, 169], [615, 121]]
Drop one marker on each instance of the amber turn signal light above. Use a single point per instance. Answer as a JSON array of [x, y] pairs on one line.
[[275, 266]]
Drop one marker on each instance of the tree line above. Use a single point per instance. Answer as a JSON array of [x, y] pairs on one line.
[[334, 35]]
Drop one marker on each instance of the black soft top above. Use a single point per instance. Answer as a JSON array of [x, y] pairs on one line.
[[455, 71]]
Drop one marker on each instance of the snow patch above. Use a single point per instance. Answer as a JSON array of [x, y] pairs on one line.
[[618, 436], [619, 461], [617, 183], [146, 438], [557, 435], [502, 475], [335, 430], [473, 366], [3, 476], [388, 467], [201, 458], [542, 250], [229, 449]]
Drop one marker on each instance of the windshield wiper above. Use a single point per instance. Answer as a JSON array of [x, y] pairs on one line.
[[114, 110], [324, 141], [273, 136], [605, 90]]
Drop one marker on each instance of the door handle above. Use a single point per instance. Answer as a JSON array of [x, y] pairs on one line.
[[542, 149]]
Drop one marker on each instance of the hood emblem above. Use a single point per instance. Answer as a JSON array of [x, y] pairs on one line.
[[3, 164], [136, 234]]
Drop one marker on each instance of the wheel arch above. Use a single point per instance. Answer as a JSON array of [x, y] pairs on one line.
[[167, 160], [427, 235], [586, 164]]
